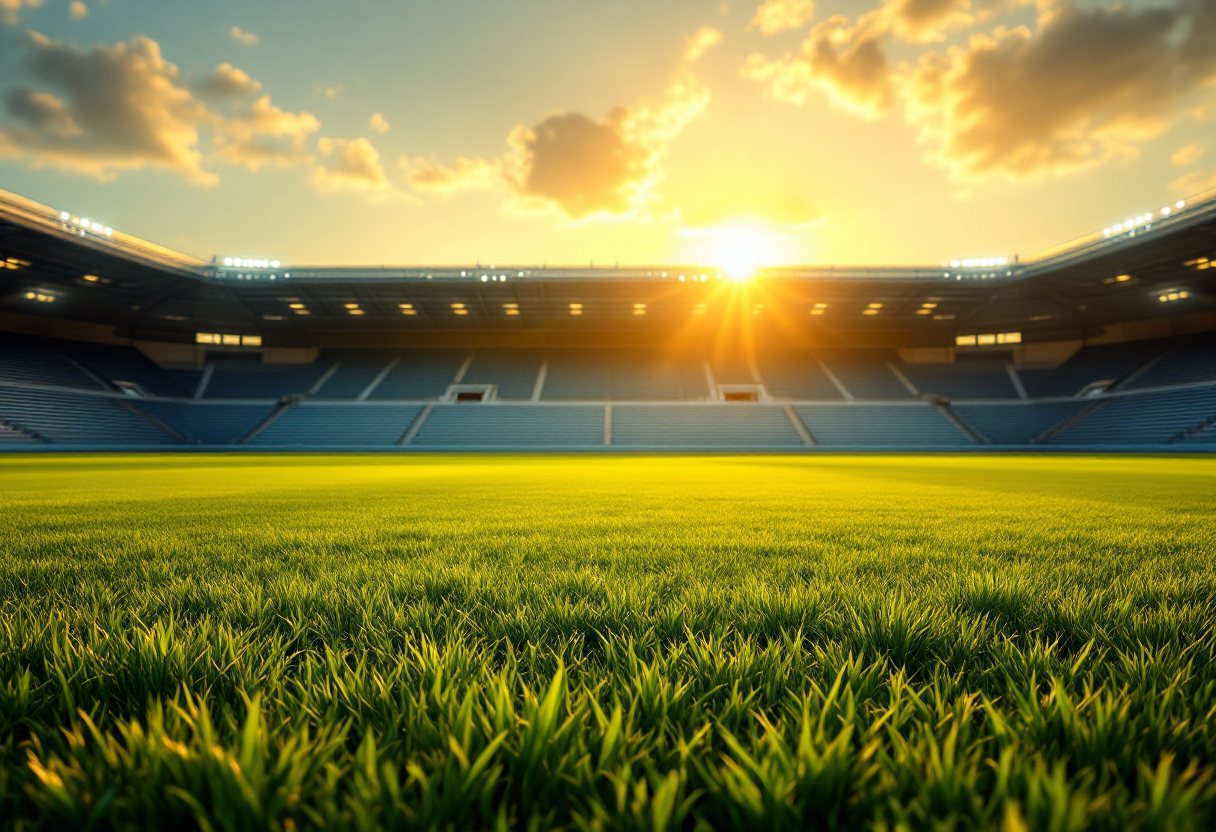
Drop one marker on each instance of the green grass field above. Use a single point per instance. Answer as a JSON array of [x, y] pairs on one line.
[[761, 643]]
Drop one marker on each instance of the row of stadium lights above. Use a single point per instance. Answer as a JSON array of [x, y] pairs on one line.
[[576, 309], [83, 224], [1141, 221]]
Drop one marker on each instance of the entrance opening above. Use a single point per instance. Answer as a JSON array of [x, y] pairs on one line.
[[471, 393], [740, 396], [742, 393]]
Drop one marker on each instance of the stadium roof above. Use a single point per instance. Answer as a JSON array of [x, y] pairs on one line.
[[69, 267]]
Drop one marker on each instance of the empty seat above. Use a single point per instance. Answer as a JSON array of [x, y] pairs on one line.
[[1142, 418], [967, 380], [79, 419], [315, 425], [421, 374], [703, 426], [41, 361], [916, 424], [866, 374], [512, 426], [252, 380], [1016, 423], [210, 423]]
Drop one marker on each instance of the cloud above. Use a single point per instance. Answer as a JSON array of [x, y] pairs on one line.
[[706, 38], [600, 169], [241, 36], [10, 8], [78, 10], [1184, 157], [352, 165], [227, 81], [1088, 86], [265, 135], [114, 108], [1194, 183], [432, 176], [848, 62], [578, 166], [774, 16], [379, 123], [108, 109]]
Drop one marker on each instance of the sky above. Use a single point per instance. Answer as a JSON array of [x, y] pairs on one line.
[[531, 132]]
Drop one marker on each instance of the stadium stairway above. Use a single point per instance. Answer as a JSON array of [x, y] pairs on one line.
[[61, 416]]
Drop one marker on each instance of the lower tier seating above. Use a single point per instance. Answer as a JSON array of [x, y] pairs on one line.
[[915, 424], [207, 423], [709, 426], [512, 426], [62, 417], [1142, 418], [1016, 424], [309, 425]]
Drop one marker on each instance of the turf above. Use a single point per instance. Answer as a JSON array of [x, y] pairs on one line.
[[448, 642]]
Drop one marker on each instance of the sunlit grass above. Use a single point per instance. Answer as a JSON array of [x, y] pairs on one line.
[[243, 642]]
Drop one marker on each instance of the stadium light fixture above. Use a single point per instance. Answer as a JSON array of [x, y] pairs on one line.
[[1173, 295], [356, 311]]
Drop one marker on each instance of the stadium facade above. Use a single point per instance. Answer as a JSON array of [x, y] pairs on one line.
[[108, 341]]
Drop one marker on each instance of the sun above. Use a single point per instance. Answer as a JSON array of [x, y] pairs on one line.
[[740, 250]]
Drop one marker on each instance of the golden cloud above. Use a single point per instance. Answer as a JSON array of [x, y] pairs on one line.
[[706, 38], [1186, 156], [1089, 85], [432, 176], [78, 10], [774, 16], [578, 166], [379, 123], [116, 108], [242, 37], [119, 107], [350, 165], [846, 61]]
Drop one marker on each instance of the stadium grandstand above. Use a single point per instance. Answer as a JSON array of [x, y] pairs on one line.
[[108, 341]]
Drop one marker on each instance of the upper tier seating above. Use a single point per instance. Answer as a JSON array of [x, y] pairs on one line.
[[796, 375], [881, 425], [1016, 424], [208, 423], [866, 374], [316, 425], [1142, 418], [40, 361], [253, 380], [78, 418], [738, 425], [513, 371], [512, 426], [421, 374], [1186, 362], [1105, 362], [963, 380], [356, 370], [117, 363], [623, 375]]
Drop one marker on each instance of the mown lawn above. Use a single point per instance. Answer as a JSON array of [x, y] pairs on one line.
[[450, 642]]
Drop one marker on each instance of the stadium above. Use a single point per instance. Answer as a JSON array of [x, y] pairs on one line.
[[615, 505], [1106, 343]]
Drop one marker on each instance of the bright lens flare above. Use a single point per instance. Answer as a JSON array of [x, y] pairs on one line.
[[739, 251]]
